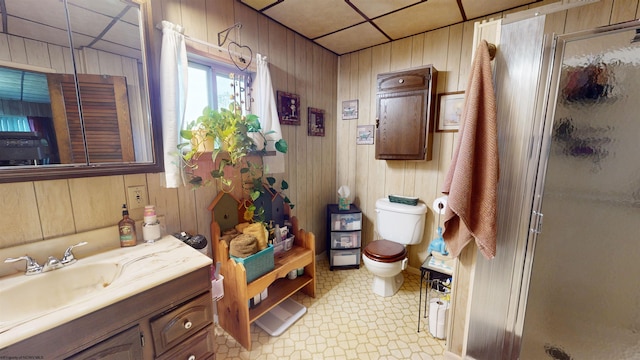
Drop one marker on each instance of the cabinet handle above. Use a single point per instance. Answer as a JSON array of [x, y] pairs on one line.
[[401, 81], [191, 357], [188, 324], [377, 123]]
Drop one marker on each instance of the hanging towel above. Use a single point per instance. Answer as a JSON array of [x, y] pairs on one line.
[[472, 179], [267, 112]]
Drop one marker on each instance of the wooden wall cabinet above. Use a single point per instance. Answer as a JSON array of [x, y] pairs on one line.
[[405, 114], [170, 321]]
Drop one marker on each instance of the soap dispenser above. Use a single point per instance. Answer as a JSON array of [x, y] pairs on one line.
[[127, 229]]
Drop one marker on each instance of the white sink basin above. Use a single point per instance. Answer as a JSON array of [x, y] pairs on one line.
[[32, 304], [55, 289]]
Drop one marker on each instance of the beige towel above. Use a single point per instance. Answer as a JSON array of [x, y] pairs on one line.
[[472, 180]]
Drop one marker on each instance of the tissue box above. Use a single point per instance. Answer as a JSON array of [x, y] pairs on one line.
[[343, 203]]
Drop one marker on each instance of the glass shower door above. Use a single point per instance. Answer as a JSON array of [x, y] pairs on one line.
[[583, 300]]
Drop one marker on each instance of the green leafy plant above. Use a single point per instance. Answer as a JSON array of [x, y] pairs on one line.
[[231, 132]]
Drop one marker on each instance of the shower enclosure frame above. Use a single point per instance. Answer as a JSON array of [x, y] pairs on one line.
[[556, 59]]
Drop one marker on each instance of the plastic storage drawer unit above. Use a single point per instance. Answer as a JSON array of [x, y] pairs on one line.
[[345, 240], [345, 257]]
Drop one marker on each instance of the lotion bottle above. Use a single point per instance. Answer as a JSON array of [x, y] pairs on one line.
[[127, 229]]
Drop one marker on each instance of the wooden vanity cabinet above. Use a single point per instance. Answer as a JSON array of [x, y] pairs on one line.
[[171, 321], [405, 114]]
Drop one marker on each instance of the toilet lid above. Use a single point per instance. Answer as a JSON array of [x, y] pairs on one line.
[[385, 251]]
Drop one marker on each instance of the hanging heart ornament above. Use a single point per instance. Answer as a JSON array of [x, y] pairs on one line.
[[241, 55]]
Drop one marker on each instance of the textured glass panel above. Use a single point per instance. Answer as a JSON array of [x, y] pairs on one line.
[[584, 298]]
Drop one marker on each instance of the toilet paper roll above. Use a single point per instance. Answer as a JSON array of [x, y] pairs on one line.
[[440, 204], [438, 310]]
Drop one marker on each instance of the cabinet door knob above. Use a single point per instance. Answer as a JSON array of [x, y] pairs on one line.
[[191, 357], [188, 324], [401, 81]]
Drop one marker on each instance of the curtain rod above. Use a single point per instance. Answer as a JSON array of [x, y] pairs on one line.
[[210, 45]]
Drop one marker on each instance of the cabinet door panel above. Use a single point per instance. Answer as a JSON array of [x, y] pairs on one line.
[[404, 125], [124, 346]]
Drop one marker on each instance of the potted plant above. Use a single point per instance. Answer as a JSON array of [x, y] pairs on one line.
[[237, 136]]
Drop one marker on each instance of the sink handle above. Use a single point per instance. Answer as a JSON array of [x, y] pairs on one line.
[[68, 258], [32, 266]]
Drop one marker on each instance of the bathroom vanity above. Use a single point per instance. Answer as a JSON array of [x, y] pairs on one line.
[[157, 306]]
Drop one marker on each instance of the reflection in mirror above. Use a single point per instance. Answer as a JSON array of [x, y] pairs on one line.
[[107, 129]]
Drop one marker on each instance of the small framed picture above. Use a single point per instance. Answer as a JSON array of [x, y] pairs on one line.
[[365, 135], [349, 109], [450, 111], [316, 122], [288, 108]]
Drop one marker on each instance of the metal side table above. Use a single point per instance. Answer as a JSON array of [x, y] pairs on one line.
[[432, 275]]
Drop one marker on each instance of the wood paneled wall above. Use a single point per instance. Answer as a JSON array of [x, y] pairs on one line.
[[449, 50], [40, 210]]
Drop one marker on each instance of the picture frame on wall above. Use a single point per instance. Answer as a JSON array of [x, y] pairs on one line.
[[450, 107], [349, 109], [315, 118], [365, 135], [288, 108]]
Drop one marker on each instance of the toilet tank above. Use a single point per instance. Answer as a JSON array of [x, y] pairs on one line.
[[400, 223]]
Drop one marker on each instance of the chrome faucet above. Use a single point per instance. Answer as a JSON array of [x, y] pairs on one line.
[[32, 266], [52, 263], [68, 258]]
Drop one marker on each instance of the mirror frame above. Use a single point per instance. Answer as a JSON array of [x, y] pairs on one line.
[[38, 173]]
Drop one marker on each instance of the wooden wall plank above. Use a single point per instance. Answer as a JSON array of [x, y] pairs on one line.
[[97, 201], [19, 218], [623, 10], [54, 198]]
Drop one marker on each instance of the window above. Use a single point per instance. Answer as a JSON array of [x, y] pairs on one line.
[[213, 84]]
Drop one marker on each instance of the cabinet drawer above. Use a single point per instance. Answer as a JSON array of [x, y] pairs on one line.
[[345, 240], [182, 322], [346, 221], [345, 257], [200, 346]]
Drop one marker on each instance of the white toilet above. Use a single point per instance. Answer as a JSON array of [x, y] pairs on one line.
[[399, 225]]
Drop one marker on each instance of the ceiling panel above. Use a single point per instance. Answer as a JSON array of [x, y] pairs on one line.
[[314, 18], [375, 8], [420, 18], [344, 26], [475, 8], [259, 4], [360, 36]]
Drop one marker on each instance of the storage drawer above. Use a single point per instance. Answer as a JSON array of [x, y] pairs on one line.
[[182, 322], [201, 346], [346, 221], [345, 240], [345, 257]]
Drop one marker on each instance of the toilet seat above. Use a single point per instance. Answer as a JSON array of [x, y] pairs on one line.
[[385, 251]]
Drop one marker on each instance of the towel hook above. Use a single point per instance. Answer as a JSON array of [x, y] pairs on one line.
[[492, 50]]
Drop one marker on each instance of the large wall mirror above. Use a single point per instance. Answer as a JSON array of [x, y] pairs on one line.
[[74, 89]]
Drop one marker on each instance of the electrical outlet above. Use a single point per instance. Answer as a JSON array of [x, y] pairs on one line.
[[137, 196]]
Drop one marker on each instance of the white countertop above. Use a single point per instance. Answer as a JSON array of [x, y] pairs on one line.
[[143, 267]]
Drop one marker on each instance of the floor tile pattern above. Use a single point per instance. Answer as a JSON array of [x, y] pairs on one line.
[[345, 321]]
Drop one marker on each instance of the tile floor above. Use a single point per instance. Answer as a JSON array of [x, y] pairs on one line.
[[345, 321]]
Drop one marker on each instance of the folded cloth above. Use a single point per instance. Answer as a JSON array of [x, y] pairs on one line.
[[243, 245], [260, 232], [472, 179]]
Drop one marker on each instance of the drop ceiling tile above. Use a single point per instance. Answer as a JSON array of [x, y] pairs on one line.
[[420, 18], [352, 39], [258, 4], [314, 18], [478, 8], [375, 8]]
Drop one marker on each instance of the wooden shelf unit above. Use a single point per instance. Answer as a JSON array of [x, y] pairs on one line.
[[233, 309]]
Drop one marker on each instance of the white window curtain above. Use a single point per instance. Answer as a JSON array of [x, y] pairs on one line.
[[267, 112], [173, 95]]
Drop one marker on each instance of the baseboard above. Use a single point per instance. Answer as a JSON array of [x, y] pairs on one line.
[[448, 355]]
